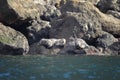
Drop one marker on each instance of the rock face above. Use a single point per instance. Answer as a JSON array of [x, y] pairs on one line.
[[59, 46], [14, 10], [79, 46], [73, 46], [12, 42], [47, 46], [114, 13], [87, 19], [114, 48], [38, 30], [53, 42], [105, 5], [50, 13], [108, 44], [106, 40], [53, 27]]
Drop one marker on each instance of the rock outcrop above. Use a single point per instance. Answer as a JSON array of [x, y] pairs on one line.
[[38, 30], [16, 10], [114, 13], [47, 46], [56, 27], [79, 46], [87, 19], [12, 42], [105, 5]]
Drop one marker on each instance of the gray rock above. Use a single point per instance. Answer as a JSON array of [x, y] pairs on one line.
[[90, 23], [114, 49], [95, 2], [74, 46], [12, 42], [91, 50], [38, 30], [74, 24], [12, 11], [53, 42], [105, 5], [51, 13], [114, 13], [47, 46], [76, 43], [108, 44], [105, 40]]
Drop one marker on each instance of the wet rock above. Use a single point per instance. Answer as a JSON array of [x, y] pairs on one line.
[[12, 42], [47, 46], [91, 50], [48, 43], [114, 49], [74, 46], [108, 44], [79, 46], [105, 40]]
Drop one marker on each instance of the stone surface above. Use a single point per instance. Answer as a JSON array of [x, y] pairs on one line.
[[47, 46], [14, 10], [105, 40], [53, 27], [87, 19], [12, 42], [38, 30], [74, 46], [114, 49], [91, 50], [48, 43], [105, 5], [114, 13], [50, 13]]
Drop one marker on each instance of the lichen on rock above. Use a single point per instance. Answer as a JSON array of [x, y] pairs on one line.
[[14, 40]]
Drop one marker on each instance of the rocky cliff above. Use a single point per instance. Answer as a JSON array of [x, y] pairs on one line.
[[89, 27]]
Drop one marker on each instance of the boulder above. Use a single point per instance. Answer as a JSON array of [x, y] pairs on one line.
[[114, 13], [95, 2], [105, 40], [17, 10], [47, 46], [79, 46], [50, 13], [91, 50], [74, 46], [105, 5], [48, 43], [108, 44], [74, 24], [12, 42], [114, 49], [62, 2], [38, 30], [85, 19]]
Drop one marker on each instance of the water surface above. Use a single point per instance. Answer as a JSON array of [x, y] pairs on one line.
[[59, 68]]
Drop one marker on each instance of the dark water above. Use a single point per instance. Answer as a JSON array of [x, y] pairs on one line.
[[59, 68]]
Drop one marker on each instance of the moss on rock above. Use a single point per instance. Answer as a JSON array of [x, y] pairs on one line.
[[6, 40]]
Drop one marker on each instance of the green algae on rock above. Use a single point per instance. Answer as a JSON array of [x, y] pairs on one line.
[[11, 40]]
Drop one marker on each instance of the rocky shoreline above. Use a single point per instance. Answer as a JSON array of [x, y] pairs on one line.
[[59, 27]]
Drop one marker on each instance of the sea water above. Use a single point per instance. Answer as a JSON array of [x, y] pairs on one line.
[[59, 67]]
